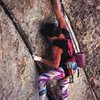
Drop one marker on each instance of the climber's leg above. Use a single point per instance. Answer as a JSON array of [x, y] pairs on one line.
[[56, 73], [64, 86], [64, 82]]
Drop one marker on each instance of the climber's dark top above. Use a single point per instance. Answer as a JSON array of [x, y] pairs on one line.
[[66, 45]]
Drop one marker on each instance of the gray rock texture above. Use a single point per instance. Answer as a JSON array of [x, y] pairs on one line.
[[18, 74], [17, 71]]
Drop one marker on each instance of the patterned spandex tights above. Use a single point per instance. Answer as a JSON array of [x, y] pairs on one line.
[[57, 74]]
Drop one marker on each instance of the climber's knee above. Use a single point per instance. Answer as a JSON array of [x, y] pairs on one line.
[[43, 78]]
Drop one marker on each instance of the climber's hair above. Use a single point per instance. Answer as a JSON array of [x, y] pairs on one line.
[[49, 29]]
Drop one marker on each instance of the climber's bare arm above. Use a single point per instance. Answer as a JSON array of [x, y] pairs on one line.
[[56, 55], [59, 14]]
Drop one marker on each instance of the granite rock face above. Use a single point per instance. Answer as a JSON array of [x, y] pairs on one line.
[[18, 75], [17, 72]]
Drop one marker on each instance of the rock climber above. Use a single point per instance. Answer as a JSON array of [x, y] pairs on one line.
[[64, 61]]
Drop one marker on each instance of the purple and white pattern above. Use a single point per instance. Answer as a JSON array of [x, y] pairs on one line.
[[56, 74]]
